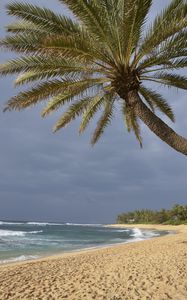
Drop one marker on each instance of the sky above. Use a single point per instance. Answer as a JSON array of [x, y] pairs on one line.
[[61, 177]]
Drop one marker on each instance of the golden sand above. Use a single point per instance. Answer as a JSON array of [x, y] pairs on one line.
[[154, 269]]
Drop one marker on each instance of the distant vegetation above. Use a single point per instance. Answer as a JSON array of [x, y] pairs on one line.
[[176, 215]]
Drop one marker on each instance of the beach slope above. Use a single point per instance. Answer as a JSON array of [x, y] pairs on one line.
[[154, 269]]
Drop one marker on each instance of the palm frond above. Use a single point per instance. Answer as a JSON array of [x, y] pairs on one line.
[[174, 43], [90, 13], [76, 92], [134, 16], [35, 68], [37, 43], [24, 27], [109, 13], [167, 79], [171, 49], [67, 47], [43, 18], [44, 63], [78, 47], [157, 101], [24, 43], [174, 65], [94, 105], [146, 95], [104, 120], [163, 63], [170, 22], [131, 122], [73, 111], [47, 89], [32, 76], [99, 22]]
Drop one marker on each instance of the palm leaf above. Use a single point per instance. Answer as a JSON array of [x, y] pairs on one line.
[[73, 111], [104, 120], [168, 51], [34, 95], [173, 80], [134, 16], [74, 46], [90, 13], [92, 108], [171, 21], [156, 100], [25, 43], [43, 18], [39, 67], [47, 89], [25, 27], [77, 91], [32, 76], [95, 18], [163, 63], [45, 63], [131, 122]]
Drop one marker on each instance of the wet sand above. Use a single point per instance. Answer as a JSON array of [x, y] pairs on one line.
[[154, 269]]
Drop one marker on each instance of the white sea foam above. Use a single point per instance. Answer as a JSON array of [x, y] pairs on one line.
[[42, 223], [35, 231], [10, 223], [11, 233], [82, 224], [19, 258], [122, 230], [150, 234], [139, 235], [16, 233]]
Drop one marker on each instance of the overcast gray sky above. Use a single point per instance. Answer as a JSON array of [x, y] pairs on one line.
[[60, 177]]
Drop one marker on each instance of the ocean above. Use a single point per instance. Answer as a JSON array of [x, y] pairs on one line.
[[21, 241]]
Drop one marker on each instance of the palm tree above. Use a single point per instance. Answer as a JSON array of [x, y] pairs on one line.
[[101, 57]]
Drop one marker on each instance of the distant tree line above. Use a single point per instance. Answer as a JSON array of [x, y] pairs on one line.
[[176, 215]]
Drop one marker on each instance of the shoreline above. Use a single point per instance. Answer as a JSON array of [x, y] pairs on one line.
[[150, 269], [85, 250], [160, 227]]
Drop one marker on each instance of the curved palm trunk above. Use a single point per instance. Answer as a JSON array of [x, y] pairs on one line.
[[155, 124]]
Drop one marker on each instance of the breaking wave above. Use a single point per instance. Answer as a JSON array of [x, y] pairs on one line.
[[43, 224], [139, 235], [10, 223], [17, 233], [82, 224]]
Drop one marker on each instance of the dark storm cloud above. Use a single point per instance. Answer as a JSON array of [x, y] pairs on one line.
[[45, 176]]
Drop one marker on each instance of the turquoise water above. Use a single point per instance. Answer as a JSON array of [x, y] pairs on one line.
[[29, 240]]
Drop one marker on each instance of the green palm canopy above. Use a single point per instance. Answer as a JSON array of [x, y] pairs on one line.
[[103, 56]]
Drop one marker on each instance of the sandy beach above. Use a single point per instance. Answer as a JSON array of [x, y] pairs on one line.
[[154, 269]]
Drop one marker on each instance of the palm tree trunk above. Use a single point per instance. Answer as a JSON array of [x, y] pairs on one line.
[[155, 124]]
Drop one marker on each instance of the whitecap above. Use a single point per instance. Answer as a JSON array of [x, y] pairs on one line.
[[11, 223], [137, 233], [43, 223], [11, 233], [35, 231], [82, 224], [17, 233]]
